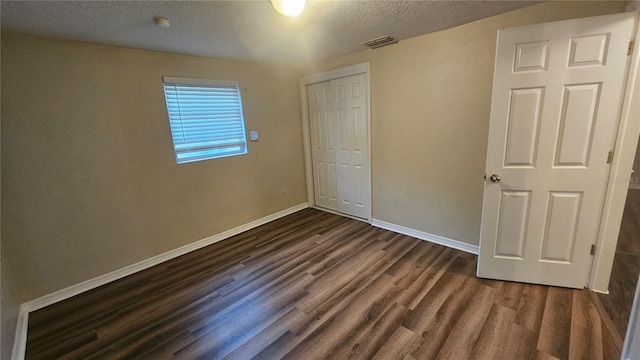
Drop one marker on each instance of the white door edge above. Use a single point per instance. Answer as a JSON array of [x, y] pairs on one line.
[[624, 153], [362, 68]]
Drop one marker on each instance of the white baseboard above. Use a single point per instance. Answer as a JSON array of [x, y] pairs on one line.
[[20, 342], [436, 239], [634, 186], [340, 214]]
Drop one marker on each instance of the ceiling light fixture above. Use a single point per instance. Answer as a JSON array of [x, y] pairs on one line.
[[289, 7]]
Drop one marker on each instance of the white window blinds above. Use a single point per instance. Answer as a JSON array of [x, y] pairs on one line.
[[206, 118]]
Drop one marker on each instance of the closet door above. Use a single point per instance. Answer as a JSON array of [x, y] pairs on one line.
[[340, 145], [352, 158], [323, 145]]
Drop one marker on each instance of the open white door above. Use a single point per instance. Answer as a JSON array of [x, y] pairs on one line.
[[555, 108]]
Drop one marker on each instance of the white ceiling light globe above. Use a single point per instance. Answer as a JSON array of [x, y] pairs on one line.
[[289, 7]]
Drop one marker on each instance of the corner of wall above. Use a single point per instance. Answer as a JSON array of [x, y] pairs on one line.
[[10, 310]]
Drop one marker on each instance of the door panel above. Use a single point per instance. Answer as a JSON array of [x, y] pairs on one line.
[[556, 101], [579, 109], [561, 226], [352, 154], [588, 50], [522, 133], [531, 56], [323, 145], [512, 225], [340, 143]]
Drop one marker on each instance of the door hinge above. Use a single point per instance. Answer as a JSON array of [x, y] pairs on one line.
[[610, 157], [630, 50], [593, 250]]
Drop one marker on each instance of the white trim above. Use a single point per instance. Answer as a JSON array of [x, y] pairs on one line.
[[627, 139], [196, 81], [331, 211], [436, 239], [634, 186], [363, 68], [356, 69], [20, 341], [308, 167]]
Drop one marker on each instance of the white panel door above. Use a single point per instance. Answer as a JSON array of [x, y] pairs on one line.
[[349, 109], [323, 145], [340, 145], [557, 95]]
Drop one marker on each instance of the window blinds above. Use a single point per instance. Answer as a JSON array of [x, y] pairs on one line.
[[206, 118]]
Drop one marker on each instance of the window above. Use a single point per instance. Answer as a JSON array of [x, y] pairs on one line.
[[205, 117]]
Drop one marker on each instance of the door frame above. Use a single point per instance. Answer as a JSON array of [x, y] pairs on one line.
[[622, 163], [362, 68]]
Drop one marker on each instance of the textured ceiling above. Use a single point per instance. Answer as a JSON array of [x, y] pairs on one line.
[[243, 30]]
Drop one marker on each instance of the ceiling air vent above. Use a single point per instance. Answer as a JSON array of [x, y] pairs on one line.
[[380, 42]]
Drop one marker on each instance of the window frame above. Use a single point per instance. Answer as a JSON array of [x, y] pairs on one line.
[[182, 81]]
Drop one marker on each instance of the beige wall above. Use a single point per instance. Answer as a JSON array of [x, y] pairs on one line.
[[430, 103], [89, 179], [9, 307]]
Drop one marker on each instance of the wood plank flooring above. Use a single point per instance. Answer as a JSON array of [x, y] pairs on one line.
[[626, 267], [314, 285]]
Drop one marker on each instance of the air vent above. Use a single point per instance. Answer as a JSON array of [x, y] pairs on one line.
[[380, 42]]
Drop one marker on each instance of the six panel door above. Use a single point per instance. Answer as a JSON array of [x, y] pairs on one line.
[[556, 102]]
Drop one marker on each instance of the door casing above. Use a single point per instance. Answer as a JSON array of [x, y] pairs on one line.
[[617, 188], [363, 68]]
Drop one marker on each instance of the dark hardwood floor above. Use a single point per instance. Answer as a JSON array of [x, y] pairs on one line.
[[314, 285], [626, 267]]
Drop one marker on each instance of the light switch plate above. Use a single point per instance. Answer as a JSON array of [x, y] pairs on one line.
[[253, 135]]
